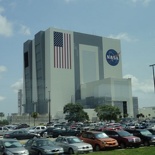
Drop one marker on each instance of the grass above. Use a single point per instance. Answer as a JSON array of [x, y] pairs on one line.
[[131, 151]]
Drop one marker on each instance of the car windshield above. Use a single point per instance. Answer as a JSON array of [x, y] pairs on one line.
[[45, 143], [145, 132], [101, 135], [12, 144], [124, 133], [73, 140]]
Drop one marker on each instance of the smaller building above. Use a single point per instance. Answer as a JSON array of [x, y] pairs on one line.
[[148, 112]]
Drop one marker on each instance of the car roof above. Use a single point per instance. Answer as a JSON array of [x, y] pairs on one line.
[[93, 132], [8, 139], [40, 139]]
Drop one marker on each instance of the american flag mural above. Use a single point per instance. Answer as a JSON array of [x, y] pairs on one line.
[[62, 50]]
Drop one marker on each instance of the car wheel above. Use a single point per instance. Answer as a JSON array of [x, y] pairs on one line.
[[123, 146], [44, 135], [146, 143], [97, 148], [71, 151], [59, 135], [137, 146], [40, 153]]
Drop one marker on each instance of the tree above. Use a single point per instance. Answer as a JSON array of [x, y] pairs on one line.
[[107, 112], [75, 112], [1, 115], [126, 115], [140, 115], [34, 115]]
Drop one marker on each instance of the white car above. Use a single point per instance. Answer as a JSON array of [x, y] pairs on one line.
[[37, 129], [3, 130]]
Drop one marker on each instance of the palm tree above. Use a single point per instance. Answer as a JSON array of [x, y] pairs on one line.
[[34, 115]]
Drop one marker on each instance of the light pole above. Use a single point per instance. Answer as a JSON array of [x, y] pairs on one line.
[[153, 75], [49, 107], [34, 106]]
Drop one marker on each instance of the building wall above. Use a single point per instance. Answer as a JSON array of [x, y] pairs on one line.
[[148, 112], [27, 49], [114, 69], [113, 90], [88, 58], [66, 66], [135, 106], [59, 81]]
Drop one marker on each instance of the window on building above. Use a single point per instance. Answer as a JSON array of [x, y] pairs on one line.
[[26, 60]]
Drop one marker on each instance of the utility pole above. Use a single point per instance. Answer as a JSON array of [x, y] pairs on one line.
[[49, 106], [153, 75]]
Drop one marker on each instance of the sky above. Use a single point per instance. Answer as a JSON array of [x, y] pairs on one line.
[[131, 21]]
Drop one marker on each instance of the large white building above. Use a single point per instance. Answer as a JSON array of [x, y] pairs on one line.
[[64, 66]]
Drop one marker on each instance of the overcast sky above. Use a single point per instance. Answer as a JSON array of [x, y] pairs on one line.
[[131, 21]]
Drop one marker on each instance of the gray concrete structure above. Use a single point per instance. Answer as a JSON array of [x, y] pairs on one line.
[[63, 66]]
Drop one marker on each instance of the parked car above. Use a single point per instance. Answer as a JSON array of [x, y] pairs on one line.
[[3, 130], [12, 147], [124, 138], [48, 132], [20, 134], [151, 126], [73, 145], [151, 130], [37, 129], [145, 135], [20, 126], [130, 126], [42, 146], [98, 140], [65, 132]]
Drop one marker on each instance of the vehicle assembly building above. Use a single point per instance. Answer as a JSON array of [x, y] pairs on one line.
[[63, 66]]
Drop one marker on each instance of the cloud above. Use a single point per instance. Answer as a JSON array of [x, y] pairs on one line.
[[17, 85], [138, 86], [25, 30], [1, 9], [3, 69], [2, 98], [122, 36], [67, 1], [143, 2], [6, 28]]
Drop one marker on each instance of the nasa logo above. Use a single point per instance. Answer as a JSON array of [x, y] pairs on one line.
[[112, 57]]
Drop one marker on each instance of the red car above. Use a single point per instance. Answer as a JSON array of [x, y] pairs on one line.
[[124, 138]]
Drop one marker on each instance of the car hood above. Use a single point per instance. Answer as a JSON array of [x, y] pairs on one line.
[[151, 136], [131, 137], [18, 150], [107, 139]]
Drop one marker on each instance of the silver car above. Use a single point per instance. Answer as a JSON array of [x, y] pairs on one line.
[[12, 146], [73, 145], [3, 130]]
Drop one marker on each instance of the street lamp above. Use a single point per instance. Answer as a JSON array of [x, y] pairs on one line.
[[153, 74], [49, 107]]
